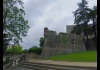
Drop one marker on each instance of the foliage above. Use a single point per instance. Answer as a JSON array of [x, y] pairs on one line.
[[81, 14], [17, 50], [14, 24], [39, 50], [81, 19], [5, 42], [35, 49], [5, 39], [86, 56], [93, 14], [4, 49], [51, 31], [64, 38], [6, 61], [81, 28], [63, 33], [42, 42], [25, 51], [93, 17]]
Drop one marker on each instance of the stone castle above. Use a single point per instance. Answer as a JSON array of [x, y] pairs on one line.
[[62, 43]]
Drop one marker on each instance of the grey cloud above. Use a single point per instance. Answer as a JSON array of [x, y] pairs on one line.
[[54, 14]]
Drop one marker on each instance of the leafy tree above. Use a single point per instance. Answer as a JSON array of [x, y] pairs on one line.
[[14, 24], [81, 17], [25, 51], [18, 49], [79, 29], [42, 42], [35, 49], [93, 17]]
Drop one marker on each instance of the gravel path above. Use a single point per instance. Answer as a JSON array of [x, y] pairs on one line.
[[87, 64]]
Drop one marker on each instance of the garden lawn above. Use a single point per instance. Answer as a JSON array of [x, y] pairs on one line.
[[86, 56]]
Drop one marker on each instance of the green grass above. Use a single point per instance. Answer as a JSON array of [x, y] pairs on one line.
[[86, 56]]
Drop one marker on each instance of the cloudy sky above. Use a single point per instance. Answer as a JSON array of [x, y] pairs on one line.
[[54, 14]]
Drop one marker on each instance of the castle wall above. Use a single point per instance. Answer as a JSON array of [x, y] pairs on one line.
[[62, 43]]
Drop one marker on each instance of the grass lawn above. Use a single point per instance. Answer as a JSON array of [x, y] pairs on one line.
[[86, 56]]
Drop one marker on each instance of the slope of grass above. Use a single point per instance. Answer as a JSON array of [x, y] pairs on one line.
[[86, 56]]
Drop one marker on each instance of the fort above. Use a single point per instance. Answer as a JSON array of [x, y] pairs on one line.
[[62, 43]]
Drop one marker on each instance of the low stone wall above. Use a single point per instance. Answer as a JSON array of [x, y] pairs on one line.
[[15, 61], [32, 55]]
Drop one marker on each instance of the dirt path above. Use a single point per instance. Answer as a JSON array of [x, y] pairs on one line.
[[87, 64]]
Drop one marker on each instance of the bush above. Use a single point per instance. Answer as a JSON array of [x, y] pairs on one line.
[[25, 51], [35, 49], [39, 51], [17, 50]]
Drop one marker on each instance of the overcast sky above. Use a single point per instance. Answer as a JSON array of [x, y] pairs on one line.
[[54, 14]]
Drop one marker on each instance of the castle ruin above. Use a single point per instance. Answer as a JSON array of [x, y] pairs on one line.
[[62, 43]]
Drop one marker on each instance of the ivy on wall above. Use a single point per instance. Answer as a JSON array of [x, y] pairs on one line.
[[64, 40]]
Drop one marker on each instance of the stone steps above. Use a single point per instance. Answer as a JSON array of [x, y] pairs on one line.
[[18, 68], [42, 66]]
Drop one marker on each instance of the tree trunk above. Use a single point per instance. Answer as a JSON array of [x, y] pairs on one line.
[[13, 50], [87, 39], [94, 31]]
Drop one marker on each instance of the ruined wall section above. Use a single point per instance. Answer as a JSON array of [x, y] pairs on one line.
[[50, 41], [79, 41], [54, 44], [75, 39], [79, 44], [62, 43]]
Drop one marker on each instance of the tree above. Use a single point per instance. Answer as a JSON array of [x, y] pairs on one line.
[[25, 51], [17, 50], [35, 49], [14, 24], [81, 17], [5, 42], [93, 17], [42, 42], [80, 28]]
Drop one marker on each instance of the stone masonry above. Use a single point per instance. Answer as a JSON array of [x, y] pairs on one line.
[[62, 43]]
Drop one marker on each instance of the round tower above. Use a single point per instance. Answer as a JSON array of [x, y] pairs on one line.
[[46, 32]]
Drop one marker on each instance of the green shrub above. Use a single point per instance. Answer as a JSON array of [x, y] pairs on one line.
[[64, 37], [17, 50], [64, 40], [35, 49], [39, 51], [25, 51]]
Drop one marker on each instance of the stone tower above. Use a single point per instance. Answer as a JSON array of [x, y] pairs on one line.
[[46, 32]]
